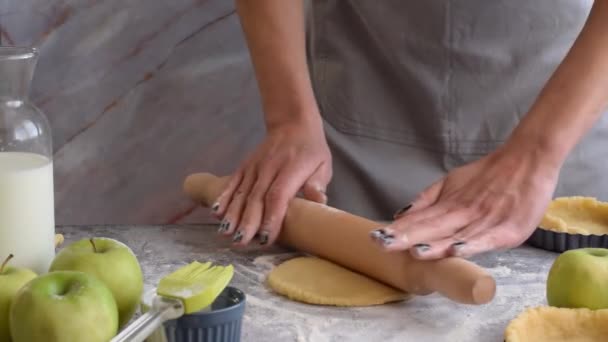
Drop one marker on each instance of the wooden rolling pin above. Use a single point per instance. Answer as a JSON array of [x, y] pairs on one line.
[[343, 238]]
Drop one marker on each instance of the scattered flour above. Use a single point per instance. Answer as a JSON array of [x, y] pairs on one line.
[[420, 319], [500, 271], [268, 262]]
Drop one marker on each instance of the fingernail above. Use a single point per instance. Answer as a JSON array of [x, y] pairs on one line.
[[457, 246], [224, 226], [377, 234], [387, 241], [238, 236], [422, 247], [215, 206], [402, 210], [381, 235], [263, 238], [386, 238]]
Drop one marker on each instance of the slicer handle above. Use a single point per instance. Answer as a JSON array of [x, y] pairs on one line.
[[163, 309]]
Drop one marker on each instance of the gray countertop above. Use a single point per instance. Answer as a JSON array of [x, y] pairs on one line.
[[520, 275]]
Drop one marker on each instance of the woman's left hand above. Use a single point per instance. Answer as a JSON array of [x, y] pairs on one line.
[[491, 204]]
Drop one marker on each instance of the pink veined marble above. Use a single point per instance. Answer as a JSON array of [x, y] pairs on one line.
[[139, 93]]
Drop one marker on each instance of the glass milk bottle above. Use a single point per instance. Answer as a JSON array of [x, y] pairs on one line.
[[27, 211]]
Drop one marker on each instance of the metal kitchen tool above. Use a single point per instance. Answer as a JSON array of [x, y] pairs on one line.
[[221, 323], [190, 289]]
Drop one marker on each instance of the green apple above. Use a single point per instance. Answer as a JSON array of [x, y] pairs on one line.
[[579, 279], [11, 280], [112, 262], [64, 306]]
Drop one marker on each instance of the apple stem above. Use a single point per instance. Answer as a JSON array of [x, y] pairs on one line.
[[93, 244], [10, 256]]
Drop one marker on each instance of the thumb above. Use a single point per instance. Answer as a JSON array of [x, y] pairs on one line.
[[428, 196], [424, 199], [314, 188]]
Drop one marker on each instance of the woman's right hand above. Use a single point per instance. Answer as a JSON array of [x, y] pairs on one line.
[[293, 157]]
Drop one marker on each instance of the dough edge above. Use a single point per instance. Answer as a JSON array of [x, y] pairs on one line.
[[294, 293], [519, 329], [553, 221]]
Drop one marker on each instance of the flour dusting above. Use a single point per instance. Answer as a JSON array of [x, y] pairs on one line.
[[268, 262], [420, 319]]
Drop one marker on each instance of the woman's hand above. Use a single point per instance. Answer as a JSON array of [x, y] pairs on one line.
[[493, 203], [497, 201], [294, 157]]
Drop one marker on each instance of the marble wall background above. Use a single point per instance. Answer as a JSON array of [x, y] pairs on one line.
[[139, 93]]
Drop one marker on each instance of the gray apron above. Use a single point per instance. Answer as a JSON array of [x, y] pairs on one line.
[[411, 89]]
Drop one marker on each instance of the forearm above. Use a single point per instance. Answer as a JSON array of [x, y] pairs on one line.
[[275, 34], [573, 99]]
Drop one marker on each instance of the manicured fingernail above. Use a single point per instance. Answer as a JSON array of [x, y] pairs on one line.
[[215, 206], [387, 241], [224, 226], [457, 247], [402, 210], [238, 236], [387, 238], [422, 247], [381, 235], [377, 234], [263, 238]]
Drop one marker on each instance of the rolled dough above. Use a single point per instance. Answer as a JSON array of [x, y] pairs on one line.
[[551, 324], [576, 215], [317, 281]]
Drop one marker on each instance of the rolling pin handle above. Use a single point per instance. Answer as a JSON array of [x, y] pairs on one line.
[[461, 281]]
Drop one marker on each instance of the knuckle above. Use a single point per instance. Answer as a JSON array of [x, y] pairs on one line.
[[229, 211], [273, 219], [289, 155], [435, 222], [239, 192], [509, 237], [274, 216], [485, 206], [256, 194], [459, 236], [272, 230], [234, 209], [233, 184], [470, 213], [248, 230], [268, 226], [268, 219], [274, 196], [246, 217], [503, 217]]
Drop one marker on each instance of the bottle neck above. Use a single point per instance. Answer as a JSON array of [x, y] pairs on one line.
[[17, 66]]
